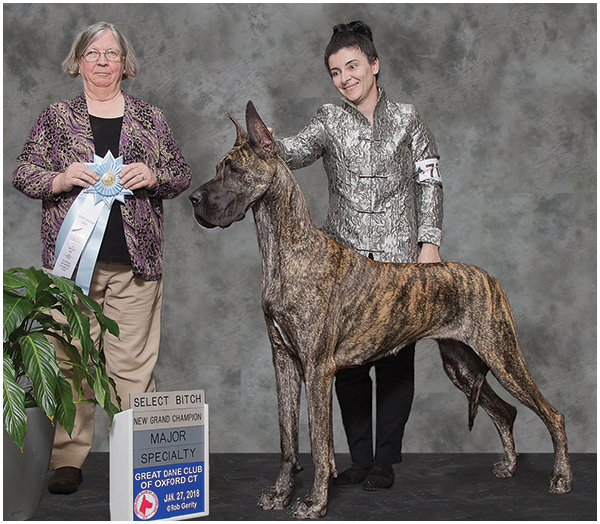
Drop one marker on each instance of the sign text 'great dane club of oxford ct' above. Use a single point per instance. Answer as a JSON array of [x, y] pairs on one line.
[[159, 457]]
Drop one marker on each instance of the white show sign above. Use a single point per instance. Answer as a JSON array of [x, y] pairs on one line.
[[159, 457]]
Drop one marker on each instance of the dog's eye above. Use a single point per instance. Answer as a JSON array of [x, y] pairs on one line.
[[232, 170]]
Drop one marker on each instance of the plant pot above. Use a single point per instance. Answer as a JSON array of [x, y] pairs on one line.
[[25, 473]]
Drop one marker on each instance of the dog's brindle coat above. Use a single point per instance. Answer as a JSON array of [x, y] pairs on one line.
[[327, 308]]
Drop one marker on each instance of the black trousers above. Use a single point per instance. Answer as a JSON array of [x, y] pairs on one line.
[[395, 384]]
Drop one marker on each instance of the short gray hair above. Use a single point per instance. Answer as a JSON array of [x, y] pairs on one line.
[[91, 34]]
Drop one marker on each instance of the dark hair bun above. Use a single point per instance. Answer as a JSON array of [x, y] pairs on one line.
[[354, 27], [352, 35]]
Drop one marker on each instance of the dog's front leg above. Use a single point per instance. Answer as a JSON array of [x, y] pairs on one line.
[[319, 381], [288, 374]]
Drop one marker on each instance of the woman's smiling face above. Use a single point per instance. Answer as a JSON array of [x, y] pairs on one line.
[[353, 75]]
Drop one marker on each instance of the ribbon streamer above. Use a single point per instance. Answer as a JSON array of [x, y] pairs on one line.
[[82, 231]]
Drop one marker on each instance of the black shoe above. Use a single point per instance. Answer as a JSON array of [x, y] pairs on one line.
[[353, 475], [379, 477], [65, 481]]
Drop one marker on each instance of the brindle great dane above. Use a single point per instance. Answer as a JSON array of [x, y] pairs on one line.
[[328, 307]]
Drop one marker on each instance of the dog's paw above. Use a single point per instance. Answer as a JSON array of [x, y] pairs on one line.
[[307, 509], [504, 469], [270, 498], [561, 484]]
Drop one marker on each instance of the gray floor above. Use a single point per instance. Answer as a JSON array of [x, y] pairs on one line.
[[427, 487]]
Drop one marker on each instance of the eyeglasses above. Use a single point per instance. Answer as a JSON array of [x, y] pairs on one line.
[[93, 56]]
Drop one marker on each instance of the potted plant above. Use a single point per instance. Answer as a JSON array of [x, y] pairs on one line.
[[32, 378]]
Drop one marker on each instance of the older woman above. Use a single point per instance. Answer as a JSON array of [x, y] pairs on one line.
[[385, 201], [126, 277]]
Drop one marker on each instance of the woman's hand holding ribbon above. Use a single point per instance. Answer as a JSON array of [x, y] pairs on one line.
[[138, 176], [77, 174]]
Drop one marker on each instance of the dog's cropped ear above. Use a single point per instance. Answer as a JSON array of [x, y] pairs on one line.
[[260, 138], [241, 134]]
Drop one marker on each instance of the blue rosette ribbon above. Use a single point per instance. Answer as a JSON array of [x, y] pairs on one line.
[[82, 231]]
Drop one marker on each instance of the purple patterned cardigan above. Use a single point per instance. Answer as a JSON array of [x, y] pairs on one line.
[[62, 135]]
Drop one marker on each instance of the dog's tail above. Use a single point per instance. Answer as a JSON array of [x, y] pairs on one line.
[[475, 393]]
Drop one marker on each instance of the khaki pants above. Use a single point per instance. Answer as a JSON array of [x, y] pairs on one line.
[[135, 304]]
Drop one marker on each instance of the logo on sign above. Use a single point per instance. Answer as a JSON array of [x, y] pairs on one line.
[[145, 505]]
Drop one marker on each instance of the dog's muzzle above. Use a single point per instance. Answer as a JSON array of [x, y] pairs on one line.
[[210, 214], [198, 199]]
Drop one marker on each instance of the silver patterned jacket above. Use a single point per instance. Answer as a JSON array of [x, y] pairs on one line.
[[385, 193]]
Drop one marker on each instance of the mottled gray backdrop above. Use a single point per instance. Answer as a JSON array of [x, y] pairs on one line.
[[510, 94]]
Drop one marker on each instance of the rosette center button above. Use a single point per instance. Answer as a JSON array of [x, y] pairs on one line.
[[108, 179]]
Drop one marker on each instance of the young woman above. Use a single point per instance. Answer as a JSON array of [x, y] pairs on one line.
[[385, 201]]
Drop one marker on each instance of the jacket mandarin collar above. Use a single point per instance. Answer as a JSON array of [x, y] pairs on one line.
[[381, 102]]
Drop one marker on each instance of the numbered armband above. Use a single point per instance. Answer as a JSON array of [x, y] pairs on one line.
[[428, 170]]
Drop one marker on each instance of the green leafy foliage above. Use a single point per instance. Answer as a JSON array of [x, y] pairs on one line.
[[32, 376]]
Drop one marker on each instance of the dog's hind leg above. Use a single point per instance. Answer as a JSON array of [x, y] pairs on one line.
[[288, 374], [467, 371], [510, 369]]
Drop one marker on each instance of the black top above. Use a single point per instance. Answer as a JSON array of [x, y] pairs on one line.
[[107, 132]]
